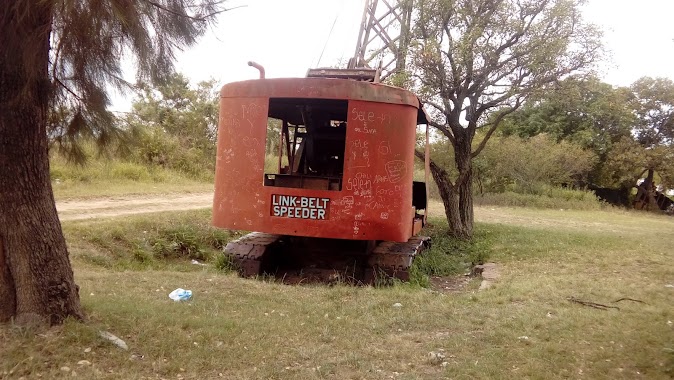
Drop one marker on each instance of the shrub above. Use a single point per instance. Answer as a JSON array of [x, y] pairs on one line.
[[531, 163], [544, 197], [129, 171], [178, 243]]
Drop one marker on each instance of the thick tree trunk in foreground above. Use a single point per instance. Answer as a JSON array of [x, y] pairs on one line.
[[36, 280]]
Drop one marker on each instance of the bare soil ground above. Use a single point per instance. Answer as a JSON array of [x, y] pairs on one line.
[[450, 284], [109, 207]]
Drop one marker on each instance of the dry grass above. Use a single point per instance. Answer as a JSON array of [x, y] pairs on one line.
[[110, 177], [524, 327], [74, 190]]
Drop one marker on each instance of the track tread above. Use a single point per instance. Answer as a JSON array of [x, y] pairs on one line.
[[394, 259], [388, 258], [247, 251]]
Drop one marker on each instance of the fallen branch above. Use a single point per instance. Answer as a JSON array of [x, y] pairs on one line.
[[629, 299], [592, 304]]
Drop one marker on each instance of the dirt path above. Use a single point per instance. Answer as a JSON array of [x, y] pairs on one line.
[[132, 204], [108, 207]]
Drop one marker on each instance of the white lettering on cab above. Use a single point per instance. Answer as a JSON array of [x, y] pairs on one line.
[[291, 206]]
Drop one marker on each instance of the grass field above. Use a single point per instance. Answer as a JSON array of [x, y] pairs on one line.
[[104, 177], [523, 327], [67, 190]]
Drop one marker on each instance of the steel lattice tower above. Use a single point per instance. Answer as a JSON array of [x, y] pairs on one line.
[[384, 36]]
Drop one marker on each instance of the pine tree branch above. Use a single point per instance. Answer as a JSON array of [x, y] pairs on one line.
[[195, 18], [58, 81]]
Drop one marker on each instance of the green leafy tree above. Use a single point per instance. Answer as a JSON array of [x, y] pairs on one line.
[[176, 125], [629, 129], [473, 62], [630, 161], [273, 136], [532, 162], [65, 54], [190, 114], [581, 110], [654, 131]]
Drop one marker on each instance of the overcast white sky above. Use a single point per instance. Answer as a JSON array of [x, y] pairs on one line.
[[288, 36]]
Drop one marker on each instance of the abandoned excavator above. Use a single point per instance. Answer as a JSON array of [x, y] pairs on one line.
[[335, 198]]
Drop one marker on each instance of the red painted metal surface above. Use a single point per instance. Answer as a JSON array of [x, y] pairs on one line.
[[375, 201]]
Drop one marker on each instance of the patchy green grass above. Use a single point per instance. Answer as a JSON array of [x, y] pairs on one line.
[[523, 327], [448, 256], [155, 241]]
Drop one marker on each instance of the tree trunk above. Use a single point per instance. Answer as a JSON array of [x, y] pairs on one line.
[[451, 202], [649, 186], [36, 280], [457, 197], [464, 184], [450, 198]]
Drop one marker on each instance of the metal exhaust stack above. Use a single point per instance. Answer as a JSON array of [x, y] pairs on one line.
[[258, 67]]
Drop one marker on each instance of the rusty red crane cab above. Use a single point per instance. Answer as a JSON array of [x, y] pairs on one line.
[[322, 170]]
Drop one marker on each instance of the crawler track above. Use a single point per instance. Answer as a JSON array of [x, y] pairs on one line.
[[293, 259], [248, 251]]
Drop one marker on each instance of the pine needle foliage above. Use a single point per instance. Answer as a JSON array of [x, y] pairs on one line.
[[89, 42]]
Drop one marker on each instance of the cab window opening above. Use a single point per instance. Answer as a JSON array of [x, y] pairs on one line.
[[305, 145]]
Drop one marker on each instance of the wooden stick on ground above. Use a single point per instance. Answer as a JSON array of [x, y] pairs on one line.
[[592, 304], [629, 299]]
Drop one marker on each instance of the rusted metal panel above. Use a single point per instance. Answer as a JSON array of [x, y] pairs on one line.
[[375, 200], [361, 73], [319, 88]]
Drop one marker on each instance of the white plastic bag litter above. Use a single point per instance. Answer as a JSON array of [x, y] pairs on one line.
[[180, 294]]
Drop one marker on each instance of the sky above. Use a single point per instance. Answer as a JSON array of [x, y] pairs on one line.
[[640, 35], [288, 37]]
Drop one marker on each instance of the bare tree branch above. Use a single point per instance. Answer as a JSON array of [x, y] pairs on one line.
[[494, 125], [446, 132], [435, 168]]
